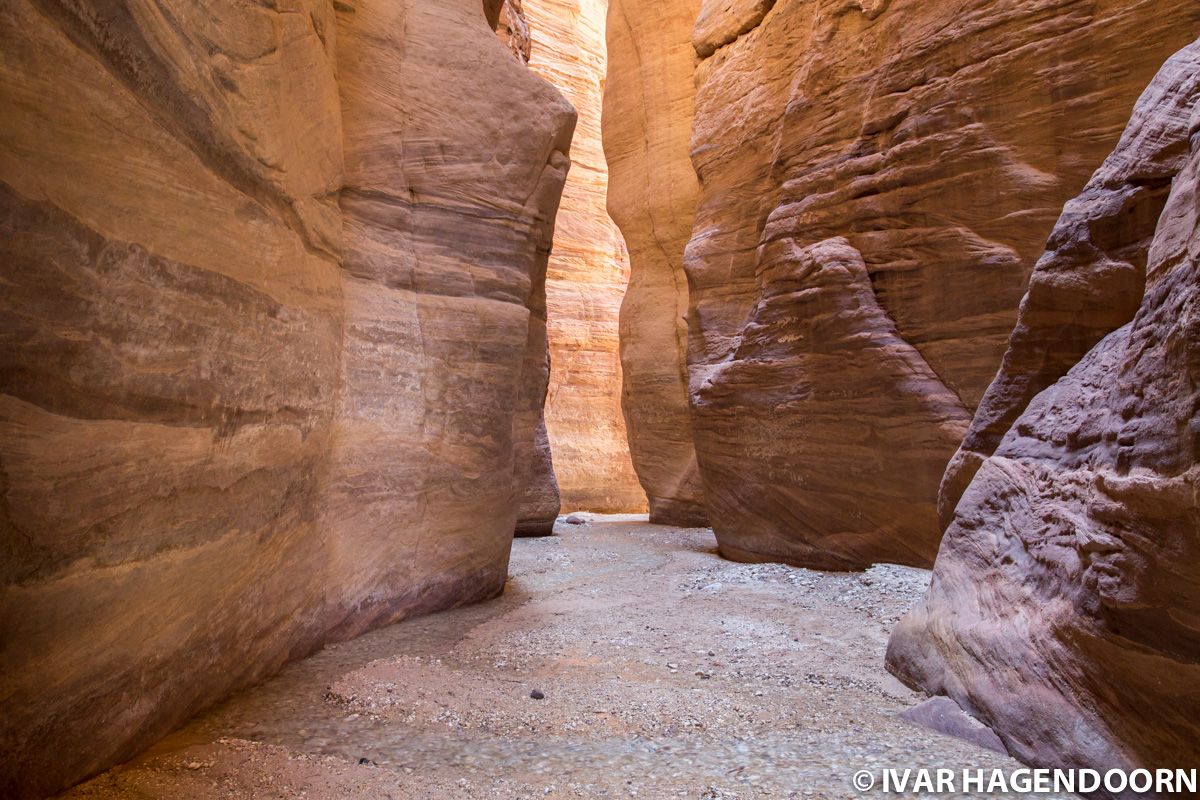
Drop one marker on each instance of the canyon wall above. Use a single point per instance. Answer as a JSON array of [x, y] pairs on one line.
[[877, 181], [448, 202], [587, 275], [648, 108], [271, 278], [1064, 606]]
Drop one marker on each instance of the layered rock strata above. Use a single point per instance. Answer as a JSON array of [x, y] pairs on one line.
[[587, 276], [648, 108], [1063, 610], [448, 207], [939, 141], [250, 400], [1090, 280]]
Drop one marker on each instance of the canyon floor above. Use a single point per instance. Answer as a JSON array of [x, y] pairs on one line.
[[664, 671]]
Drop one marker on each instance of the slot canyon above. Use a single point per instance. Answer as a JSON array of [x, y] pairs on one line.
[[713, 399]]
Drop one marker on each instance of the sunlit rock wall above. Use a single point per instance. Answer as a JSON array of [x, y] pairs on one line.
[[648, 109], [242, 409], [587, 275]]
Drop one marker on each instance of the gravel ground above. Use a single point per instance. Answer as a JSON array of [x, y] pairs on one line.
[[624, 660]]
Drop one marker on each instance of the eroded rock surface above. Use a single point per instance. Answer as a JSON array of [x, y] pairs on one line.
[[817, 316], [1090, 280], [250, 400], [1063, 610], [940, 141], [507, 18], [448, 208], [648, 109], [587, 276]]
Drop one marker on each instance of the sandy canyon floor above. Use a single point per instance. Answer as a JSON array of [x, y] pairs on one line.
[[664, 672]]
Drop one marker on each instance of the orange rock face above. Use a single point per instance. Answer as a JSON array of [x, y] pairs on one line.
[[648, 109], [938, 141], [587, 275], [272, 280], [1063, 610]]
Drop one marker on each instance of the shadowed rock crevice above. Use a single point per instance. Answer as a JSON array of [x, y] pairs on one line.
[[1063, 608]]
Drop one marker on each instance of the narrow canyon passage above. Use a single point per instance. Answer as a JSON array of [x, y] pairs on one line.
[[330, 330], [666, 672]]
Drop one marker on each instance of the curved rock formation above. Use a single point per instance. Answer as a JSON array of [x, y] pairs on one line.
[[1064, 607], [816, 315], [587, 276], [448, 206], [648, 108], [1090, 280], [939, 140], [245, 410]]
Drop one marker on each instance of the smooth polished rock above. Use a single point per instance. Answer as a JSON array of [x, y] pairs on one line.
[[648, 110], [270, 277], [587, 275]]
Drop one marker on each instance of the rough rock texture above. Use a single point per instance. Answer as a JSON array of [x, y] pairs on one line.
[[940, 140], [507, 19], [1090, 280], [1064, 606], [587, 276], [648, 109], [221, 442]]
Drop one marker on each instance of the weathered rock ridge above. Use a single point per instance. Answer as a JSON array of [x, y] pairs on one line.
[[1063, 610], [648, 109], [936, 142], [587, 276], [274, 323]]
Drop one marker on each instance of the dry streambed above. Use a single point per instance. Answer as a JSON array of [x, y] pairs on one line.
[[662, 670]]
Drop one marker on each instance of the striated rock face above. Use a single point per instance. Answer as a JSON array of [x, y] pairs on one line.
[[1063, 610], [939, 141], [816, 315], [648, 109], [1090, 280], [448, 206], [250, 399], [171, 317], [587, 276]]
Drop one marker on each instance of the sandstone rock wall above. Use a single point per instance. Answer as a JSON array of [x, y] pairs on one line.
[[242, 409], [938, 141], [1063, 610], [648, 108], [449, 205], [587, 275]]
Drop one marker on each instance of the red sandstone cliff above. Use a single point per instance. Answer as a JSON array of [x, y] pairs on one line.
[[270, 279]]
